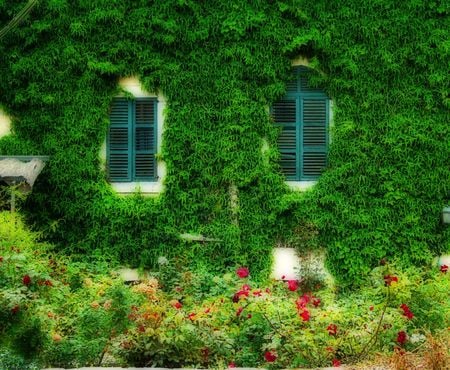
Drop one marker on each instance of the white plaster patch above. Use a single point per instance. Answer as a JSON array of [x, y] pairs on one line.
[[286, 264], [5, 123]]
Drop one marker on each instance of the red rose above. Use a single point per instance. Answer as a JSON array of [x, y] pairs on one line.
[[336, 362], [257, 293], [26, 280], [302, 301], [15, 309], [444, 269], [389, 279], [406, 311], [292, 285], [177, 305], [242, 272], [270, 356], [401, 337], [239, 311], [332, 329], [305, 315]]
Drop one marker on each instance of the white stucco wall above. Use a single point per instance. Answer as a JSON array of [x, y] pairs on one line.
[[5, 123]]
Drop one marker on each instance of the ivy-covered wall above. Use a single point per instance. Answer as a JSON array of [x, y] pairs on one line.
[[220, 64]]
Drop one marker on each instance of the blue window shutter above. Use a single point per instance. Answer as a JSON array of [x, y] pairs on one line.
[[119, 142], [145, 139], [285, 115], [303, 115], [314, 136]]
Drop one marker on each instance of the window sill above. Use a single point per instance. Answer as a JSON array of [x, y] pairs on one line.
[[301, 185], [149, 188]]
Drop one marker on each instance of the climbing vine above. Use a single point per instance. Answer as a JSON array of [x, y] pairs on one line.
[[220, 65]]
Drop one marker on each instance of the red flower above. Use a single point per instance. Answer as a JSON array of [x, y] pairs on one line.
[[207, 310], [316, 301], [15, 309], [245, 288], [48, 283], [305, 315], [141, 328], [292, 285], [371, 308], [177, 305], [1, 259], [302, 301], [249, 316], [401, 337], [257, 293], [389, 279], [332, 329], [406, 311], [283, 277], [239, 311], [270, 356], [191, 316], [242, 272], [26, 280], [444, 269], [336, 362], [231, 365]]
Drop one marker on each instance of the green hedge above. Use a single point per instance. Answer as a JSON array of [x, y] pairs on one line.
[[220, 65]]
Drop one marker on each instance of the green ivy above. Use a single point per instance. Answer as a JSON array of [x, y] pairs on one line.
[[220, 65]]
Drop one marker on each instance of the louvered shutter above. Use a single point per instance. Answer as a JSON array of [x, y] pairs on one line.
[[285, 115], [314, 111], [303, 115], [145, 139], [119, 141]]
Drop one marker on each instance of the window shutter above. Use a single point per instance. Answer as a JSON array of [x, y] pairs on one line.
[[119, 141], [285, 115], [314, 136], [145, 139]]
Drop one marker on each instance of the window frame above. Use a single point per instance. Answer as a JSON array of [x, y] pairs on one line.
[[300, 180], [131, 86], [132, 151]]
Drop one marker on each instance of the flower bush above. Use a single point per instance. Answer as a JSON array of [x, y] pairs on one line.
[[58, 312]]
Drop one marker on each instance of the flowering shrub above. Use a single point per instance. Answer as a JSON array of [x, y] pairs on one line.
[[60, 313]]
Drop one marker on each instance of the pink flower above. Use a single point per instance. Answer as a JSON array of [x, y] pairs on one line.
[[332, 329], [444, 269], [389, 279], [336, 362], [245, 288], [292, 285], [231, 365], [305, 315], [401, 337], [26, 280], [270, 356], [242, 272]]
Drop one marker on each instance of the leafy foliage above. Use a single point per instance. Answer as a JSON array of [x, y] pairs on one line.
[[220, 64]]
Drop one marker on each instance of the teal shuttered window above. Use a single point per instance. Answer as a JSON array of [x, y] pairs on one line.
[[132, 140], [303, 116]]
